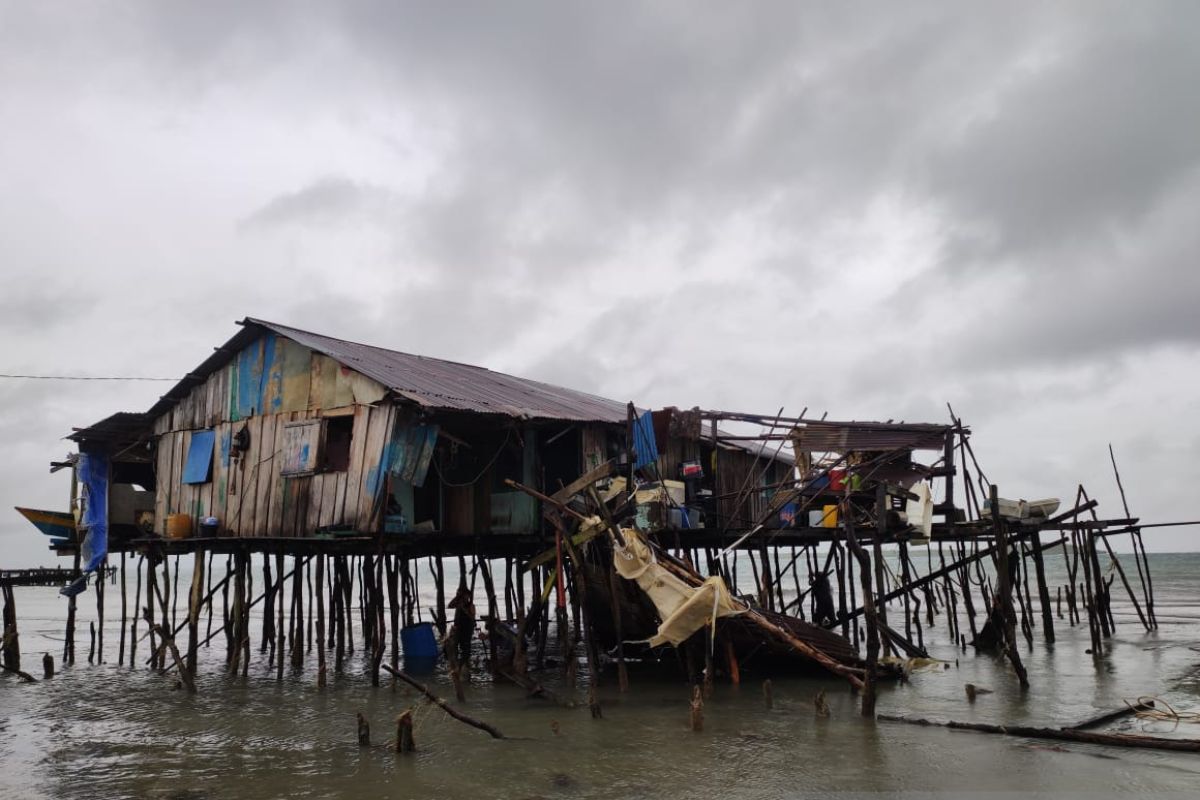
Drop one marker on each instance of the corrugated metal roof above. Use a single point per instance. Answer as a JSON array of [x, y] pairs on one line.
[[452, 386], [120, 428], [820, 437]]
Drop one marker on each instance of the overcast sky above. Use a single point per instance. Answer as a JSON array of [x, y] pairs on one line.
[[868, 210]]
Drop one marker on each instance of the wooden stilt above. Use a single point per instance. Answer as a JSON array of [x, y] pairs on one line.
[[394, 601], [280, 639], [124, 611], [297, 622], [321, 643], [1004, 590], [137, 604], [194, 605], [100, 611], [869, 607]]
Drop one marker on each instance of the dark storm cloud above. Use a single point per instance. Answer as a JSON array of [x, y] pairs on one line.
[[864, 208], [1086, 143]]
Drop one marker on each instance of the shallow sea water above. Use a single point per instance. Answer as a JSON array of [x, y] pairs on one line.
[[109, 731]]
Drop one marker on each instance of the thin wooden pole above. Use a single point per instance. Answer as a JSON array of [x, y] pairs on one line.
[[124, 611], [321, 644]]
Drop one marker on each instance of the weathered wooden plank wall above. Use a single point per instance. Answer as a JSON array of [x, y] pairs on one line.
[[247, 493]]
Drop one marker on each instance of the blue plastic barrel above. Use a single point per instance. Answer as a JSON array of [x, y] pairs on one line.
[[419, 641]]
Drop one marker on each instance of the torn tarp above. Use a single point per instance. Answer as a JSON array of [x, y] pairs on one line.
[[412, 452], [645, 447], [92, 473], [684, 609]]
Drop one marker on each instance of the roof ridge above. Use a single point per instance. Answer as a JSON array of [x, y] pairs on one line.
[[279, 325]]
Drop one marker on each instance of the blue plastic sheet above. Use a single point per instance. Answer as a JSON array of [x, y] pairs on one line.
[[645, 447], [92, 473]]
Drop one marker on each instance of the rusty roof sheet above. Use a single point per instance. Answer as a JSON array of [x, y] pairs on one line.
[[823, 436], [451, 386], [121, 428]]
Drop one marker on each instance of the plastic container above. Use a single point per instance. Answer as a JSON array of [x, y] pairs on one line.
[[179, 526], [837, 480], [829, 516], [419, 641], [208, 527]]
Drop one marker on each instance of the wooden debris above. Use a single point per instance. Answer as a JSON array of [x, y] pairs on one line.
[[364, 731], [404, 733], [1062, 734], [443, 705], [820, 704]]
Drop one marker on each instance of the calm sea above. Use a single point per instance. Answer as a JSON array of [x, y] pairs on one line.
[[108, 731]]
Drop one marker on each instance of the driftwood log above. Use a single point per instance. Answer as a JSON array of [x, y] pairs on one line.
[[1061, 734], [442, 704]]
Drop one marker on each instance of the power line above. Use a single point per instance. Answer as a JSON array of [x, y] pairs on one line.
[[80, 378]]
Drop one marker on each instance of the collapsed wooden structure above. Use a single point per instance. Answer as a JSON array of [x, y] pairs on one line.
[[339, 470]]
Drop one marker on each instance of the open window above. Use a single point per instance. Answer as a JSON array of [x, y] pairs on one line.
[[338, 433], [317, 445]]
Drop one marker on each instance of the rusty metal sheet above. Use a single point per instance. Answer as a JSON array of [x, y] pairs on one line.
[[823, 437], [448, 385]]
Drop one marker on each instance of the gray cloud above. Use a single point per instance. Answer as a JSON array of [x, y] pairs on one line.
[[324, 202], [862, 209]]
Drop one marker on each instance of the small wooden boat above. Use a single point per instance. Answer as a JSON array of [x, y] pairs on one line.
[[55, 524]]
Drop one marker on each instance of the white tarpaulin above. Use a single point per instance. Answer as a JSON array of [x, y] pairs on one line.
[[683, 609]]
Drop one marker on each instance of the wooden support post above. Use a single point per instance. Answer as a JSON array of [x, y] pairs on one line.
[[164, 608], [622, 672], [392, 571], [233, 622], [339, 618], [149, 608], [766, 592], [877, 563], [124, 611], [404, 732], [440, 587], [280, 636], [1004, 592], [1138, 545], [869, 607], [47, 665], [100, 575], [268, 620], [904, 580], [11, 651], [308, 613], [135, 616], [248, 571], [731, 663], [364, 730], [194, 606], [297, 623], [1039, 568], [321, 643]]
